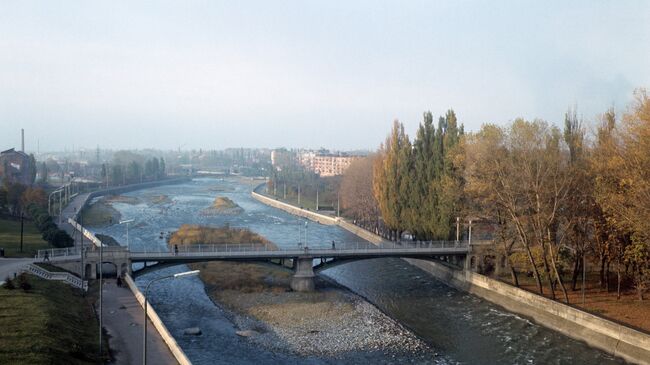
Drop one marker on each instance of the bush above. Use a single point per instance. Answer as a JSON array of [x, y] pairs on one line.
[[23, 283], [9, 285], [49, 230]]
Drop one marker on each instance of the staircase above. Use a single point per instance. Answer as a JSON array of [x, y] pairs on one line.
[[66, 277]]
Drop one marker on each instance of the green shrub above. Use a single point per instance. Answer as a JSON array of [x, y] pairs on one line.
[[9, 285]]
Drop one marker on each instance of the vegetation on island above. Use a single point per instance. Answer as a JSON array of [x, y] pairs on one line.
[[191, 234], [224, 206]]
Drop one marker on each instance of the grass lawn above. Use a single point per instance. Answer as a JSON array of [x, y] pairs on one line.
[[50, 324], [10, 238]]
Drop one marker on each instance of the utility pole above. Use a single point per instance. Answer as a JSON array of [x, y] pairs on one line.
[[317, 198], [101, 299], [285, 191], [299, 195], [81, 237], [338, 205], [470, 231], [457, 229], [22, 218]]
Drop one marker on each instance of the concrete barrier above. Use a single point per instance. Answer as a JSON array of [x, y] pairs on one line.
[[614, 338], [176, 350], [316, 217]]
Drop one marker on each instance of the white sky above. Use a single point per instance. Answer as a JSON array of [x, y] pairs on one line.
[[211, 74]]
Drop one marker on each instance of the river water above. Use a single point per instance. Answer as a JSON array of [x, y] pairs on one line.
[[460, 328]]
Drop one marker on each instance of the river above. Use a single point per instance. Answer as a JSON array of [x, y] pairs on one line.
[[460, 328]]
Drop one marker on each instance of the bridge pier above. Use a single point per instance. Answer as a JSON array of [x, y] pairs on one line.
[[303, 277]]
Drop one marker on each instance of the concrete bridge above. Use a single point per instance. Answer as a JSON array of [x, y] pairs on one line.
[[305, 261]]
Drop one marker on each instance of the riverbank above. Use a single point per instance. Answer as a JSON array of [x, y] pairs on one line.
[[51, 323], [329, 323], [598, 332]]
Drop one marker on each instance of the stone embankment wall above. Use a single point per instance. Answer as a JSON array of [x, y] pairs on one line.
[[317, 217], [617, 339], [159, 325], [614, 338]]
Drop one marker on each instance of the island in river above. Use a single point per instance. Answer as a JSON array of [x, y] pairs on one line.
[[330, 322], [223, 206]]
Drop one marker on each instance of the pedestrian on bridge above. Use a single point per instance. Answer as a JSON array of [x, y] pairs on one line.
[[175, 250], [333, 245], [46, 257]]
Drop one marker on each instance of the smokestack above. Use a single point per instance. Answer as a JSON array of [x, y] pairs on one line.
[[22, 140]]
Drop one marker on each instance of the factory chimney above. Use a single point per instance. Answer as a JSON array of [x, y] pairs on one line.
[[22, 140]]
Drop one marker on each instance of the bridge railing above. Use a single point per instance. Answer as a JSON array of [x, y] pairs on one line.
[[336, 246], [57, 252]]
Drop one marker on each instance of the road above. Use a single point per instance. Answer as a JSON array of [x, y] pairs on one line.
[[10, 266]]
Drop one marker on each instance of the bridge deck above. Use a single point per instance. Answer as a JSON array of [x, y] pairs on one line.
[[262, 252]]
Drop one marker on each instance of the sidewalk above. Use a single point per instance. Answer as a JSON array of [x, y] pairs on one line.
[[123, 320], [68, 212]]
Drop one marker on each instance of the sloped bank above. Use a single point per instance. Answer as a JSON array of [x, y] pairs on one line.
[[614, 338]]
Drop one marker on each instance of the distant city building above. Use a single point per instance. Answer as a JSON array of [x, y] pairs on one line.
[[15, 166], [281, 158], [326, 164], [321, 162]]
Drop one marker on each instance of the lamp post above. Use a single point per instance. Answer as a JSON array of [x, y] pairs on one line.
[[128, 247], [306, 234], [146, 295]]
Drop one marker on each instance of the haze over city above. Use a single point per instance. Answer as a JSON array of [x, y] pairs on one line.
[[305, 74]]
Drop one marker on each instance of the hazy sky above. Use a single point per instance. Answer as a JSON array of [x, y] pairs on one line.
[[212, 74]]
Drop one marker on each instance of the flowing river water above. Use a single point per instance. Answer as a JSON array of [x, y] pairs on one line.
[[460, 328]]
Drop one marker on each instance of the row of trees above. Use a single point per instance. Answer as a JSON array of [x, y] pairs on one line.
[[559, 195], [130, 168], [293, 180], [554, 196], [17, 199], [416, 184]]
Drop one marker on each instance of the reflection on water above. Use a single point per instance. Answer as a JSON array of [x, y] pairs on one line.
[[460, 327]]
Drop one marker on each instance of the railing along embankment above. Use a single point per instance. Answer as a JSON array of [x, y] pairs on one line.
[[176, 350], [66, 277]]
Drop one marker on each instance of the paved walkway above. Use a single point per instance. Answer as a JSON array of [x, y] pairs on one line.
[[68, 212], [10, 266], [123, 320]]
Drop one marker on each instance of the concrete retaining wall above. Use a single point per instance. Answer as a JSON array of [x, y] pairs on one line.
[[316, 217], [158, 324], [614, 338]]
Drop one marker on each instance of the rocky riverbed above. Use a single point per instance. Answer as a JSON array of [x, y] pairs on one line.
[[329, 323]]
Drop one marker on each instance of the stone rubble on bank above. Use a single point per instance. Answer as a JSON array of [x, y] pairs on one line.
[[363, 328]]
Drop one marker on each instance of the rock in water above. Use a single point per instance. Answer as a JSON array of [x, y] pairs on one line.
[[247, 333], [193, 331]]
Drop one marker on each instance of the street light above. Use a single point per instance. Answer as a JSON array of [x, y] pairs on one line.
[[306, 246], [146, 295], [128, 247]]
